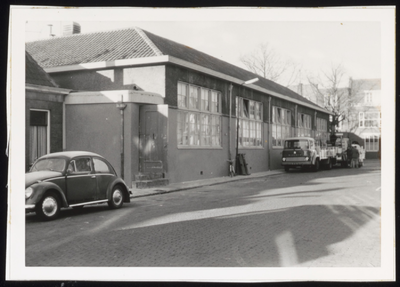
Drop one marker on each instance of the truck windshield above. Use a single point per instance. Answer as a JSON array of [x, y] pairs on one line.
[[300, 144]]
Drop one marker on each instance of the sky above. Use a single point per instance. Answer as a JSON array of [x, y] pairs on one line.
[[315, 45]]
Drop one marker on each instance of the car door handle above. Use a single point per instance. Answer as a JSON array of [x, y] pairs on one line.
[[93, 176]]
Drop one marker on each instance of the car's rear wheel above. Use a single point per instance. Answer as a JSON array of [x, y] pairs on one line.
[[49, 207], [117, 197]]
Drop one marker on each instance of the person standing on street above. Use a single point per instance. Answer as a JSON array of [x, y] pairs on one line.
[[355, 157], [349, 153]]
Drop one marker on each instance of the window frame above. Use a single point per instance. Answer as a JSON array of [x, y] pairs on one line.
[[197, 133], [367, 145], [280, 121], [48, 127], [362, 119], [302, 127], [321, 132], [250, 128]]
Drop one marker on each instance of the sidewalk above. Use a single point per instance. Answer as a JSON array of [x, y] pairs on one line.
[[135, 192]]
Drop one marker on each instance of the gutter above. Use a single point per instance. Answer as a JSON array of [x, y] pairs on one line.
[[179, 62]]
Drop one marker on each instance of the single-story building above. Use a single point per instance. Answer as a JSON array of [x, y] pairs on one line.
[[162, 111], [43, 113]]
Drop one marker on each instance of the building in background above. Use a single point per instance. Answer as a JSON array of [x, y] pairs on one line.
[[164, 112], [361, 109]]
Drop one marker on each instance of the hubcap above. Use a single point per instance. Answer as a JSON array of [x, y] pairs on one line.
[[117, 197], [49, 206]]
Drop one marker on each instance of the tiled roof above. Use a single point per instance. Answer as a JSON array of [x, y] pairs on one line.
[[35, 75], [90, 48], [136, 43]]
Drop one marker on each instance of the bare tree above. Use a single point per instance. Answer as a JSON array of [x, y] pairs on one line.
[[336, 98], [265, 62]]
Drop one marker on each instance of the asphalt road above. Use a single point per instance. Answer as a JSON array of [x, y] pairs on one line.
[[323, 219]]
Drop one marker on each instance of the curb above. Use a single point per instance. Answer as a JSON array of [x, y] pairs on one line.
[[197, 183]]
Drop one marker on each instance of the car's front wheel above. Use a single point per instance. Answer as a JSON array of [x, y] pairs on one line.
[[49, 207], [117, 197]]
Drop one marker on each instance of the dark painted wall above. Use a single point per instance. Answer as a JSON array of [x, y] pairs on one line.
[[97, 128], [52, 103]]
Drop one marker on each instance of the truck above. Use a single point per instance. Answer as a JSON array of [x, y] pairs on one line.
[[307, 152], [342, 144]]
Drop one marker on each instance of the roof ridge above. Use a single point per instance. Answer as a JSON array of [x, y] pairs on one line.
[[84, 34], [150, 43]]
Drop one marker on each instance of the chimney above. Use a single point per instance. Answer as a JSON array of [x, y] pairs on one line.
[[71, 28], [300, 89]]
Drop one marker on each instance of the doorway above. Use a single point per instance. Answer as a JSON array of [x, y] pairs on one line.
[[153, 139]]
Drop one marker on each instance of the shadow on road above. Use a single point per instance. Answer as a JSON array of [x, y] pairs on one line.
[[200, 229]]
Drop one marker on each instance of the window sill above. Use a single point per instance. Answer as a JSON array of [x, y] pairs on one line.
[[200, 147], [250, 147], [277, 147]]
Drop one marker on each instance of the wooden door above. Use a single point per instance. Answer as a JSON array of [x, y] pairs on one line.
[[153, 138]]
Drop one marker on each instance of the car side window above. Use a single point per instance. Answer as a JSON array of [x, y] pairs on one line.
[[71, 167], [80, 165], [100, 166]]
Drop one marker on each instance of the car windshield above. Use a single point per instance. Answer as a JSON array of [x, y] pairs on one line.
[[53, 164], [300, 144]]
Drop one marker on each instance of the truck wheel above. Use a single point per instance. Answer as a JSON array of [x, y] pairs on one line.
[[287, 168], [316, 165]]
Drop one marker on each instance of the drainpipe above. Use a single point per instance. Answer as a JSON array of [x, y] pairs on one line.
[[121, 106], [269, 133], [229, 122]]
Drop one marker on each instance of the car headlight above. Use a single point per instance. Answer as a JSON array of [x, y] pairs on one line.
[[283, 159], [28, 192], [307, 158]]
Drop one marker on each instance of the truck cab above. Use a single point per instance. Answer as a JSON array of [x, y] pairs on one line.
[[299, 152]]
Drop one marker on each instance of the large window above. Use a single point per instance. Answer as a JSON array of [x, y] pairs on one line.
[[199, 117], [371, 142], [322, 131], [369, 119], [303, 125], [281, 125], [249, 115], [39, 138]]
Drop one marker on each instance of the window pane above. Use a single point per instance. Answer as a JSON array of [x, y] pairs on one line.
[[193, 97], [100, 166], [205, 100], [245, 108], [38, 118], [274, 142], [182, 95], [83, 164], [251, 107]]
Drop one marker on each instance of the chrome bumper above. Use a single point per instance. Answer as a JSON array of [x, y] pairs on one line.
[[29, 206], [296, 163]]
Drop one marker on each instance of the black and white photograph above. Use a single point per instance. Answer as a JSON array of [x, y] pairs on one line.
[[215, 144]]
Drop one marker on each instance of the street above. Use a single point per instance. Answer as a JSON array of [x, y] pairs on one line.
[[329, 218]]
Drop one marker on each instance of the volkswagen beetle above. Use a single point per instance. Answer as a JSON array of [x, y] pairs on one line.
[[72, 179]]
